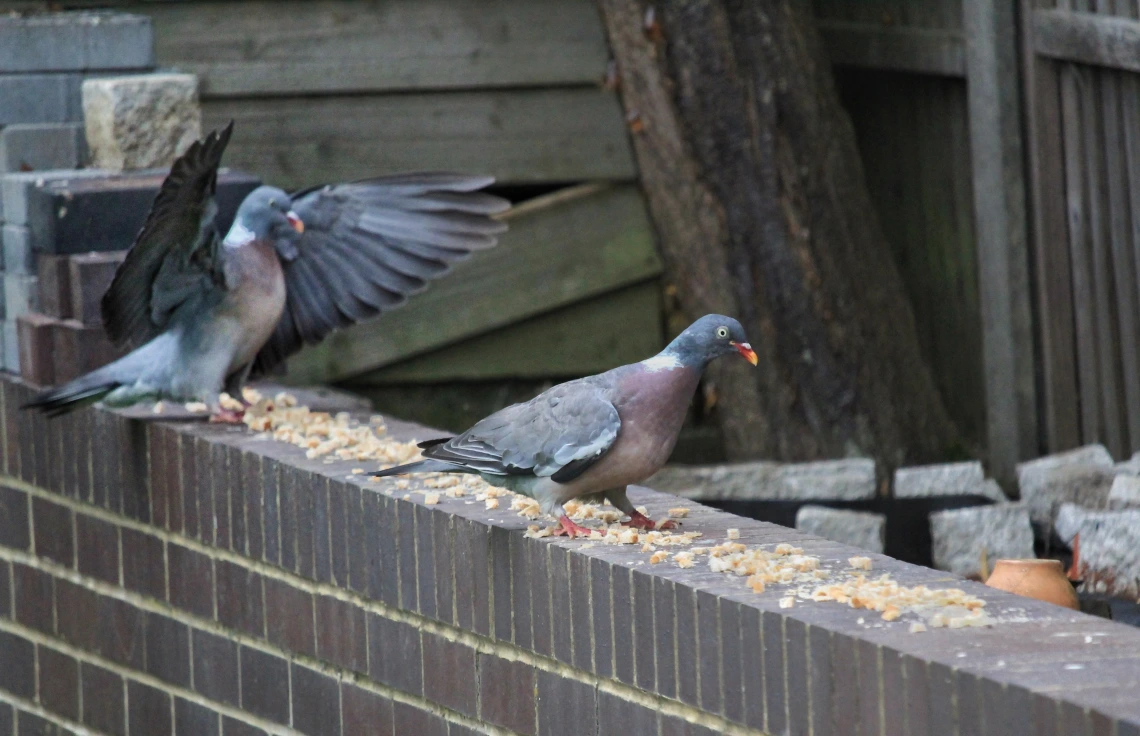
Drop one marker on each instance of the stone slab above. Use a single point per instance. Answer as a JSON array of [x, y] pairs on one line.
[[959, 536], [76, 41], [40, 147], [142, 121], [1082, 476], [1109, 558], [851, 480], [857, 528]]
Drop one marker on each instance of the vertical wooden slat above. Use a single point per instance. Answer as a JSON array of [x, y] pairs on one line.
[[1124, 275], [994, 104], [1051, 260]]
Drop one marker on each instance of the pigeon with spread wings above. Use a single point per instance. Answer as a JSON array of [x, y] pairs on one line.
[[202, 312]]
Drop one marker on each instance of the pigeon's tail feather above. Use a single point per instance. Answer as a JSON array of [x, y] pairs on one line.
[[421, 466], [77, 394]]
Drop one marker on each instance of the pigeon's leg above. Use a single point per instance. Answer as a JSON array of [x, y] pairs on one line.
[[236, 382], [637, 519], [567, 528]]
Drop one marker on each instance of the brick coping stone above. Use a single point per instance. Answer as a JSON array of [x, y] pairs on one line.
[[496, 620]]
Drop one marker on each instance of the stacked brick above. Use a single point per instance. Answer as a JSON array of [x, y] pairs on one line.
[[44, 59], [186, 577]]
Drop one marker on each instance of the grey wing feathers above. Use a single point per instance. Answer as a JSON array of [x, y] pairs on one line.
[[369, 245], [173, 257], [559, 434]]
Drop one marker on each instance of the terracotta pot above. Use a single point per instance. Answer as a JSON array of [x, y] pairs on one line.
[[1041, 579]]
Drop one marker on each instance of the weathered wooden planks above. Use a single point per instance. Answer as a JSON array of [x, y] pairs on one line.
[[1087, 38], [295, 47], [562, 135], [561, 249], [620, 327]]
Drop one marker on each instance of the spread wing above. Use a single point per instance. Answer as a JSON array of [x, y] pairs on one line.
[[559, 433], [174, 257], [369, 245]]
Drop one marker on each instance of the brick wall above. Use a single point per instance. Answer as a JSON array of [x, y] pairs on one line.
[[162, 577]]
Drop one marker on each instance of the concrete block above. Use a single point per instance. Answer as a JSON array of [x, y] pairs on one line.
[[1125, 492], [9, 338], [140, 122], [1130, 466], [89, 277], [44, 146], [851, 479], [959, 536], [19, 195], [18, 254], [105, 212], [856, 528], [37, 348], [75, 41], [40, 98], [946, 479], [21, 294], [1109, 556], [55, 285], [1083, 476]]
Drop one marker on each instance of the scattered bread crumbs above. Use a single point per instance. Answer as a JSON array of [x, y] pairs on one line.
[[860, 563], [678, 513], [890, 613], [787, 602], [159, 407], [407, 497], [357, 471], [196, 407], [230, 403], [756, 582], [403, 485], [456, 492], [431, 499], [684, 559], [492, 503], [917, 627], [658, 556], [734, 534]]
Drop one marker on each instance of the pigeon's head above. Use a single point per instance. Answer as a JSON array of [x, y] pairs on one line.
[[709, 338], [266, 214]]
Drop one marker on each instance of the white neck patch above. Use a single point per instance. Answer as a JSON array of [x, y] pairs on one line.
[[238, 235], [661, 362]]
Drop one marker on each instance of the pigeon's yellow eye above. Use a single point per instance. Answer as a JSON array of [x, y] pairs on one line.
[[722, 332]]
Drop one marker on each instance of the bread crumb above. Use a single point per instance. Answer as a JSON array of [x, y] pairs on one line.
[[756, 582], [734, 534], [357, 471], [159, 407], [891, 613], [678, 513], [683, 559], [658, 556], [195, 406], [787, 602], [917, 627], [431, 499], [407, 497], [860, 563], [492, 503]]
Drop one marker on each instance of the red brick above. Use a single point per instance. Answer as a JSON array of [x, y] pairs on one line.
[[506, 693], [17, 666], [98, 554], [622, 717], [319, 523], [168, 649], [59, 683], [522, 619], [191, 580], [14, 529], [144, 564], [121, 634], [406, 556], [76, 605], [34, 598], [338, 525], [54, 532], [265, 685], [54, 285], [78, 349], [290, 624], [409, 719], [341, 638], [239, 599], [234, 727], [103, 700], [565, 704], [501, 584], [254, 503], [365, 713], [148, 710], [90, 276], [395, 654], [5, 590], [191, 718], [316, 702], [450, 678], [34, 333], [215, 667]]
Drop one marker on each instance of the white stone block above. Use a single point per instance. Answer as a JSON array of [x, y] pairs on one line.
[[140, 122], [959, 536], [860, 529]]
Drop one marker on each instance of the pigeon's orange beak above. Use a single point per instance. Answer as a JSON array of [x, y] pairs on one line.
[[746, 350], [295, 221]]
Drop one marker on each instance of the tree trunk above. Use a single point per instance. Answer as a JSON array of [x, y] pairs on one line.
[[754, 182]]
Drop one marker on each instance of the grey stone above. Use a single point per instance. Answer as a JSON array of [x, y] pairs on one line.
[[140, 122], [21, 294], [960, 536], [857, 528], [43, 146], [11, 342], [1125, 492], [1130, 466], [40, 98], [852, 480], [947, 479], [1068, 521], [993, 491], [18, 254], [1083, 476], [1109, 557], [75, 41]]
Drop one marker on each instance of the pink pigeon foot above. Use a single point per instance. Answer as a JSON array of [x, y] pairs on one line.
[[639, 520], [567, 528], [226, 416]]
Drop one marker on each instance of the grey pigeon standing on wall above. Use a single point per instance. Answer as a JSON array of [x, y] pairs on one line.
[[592, 436], [204, 312]]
